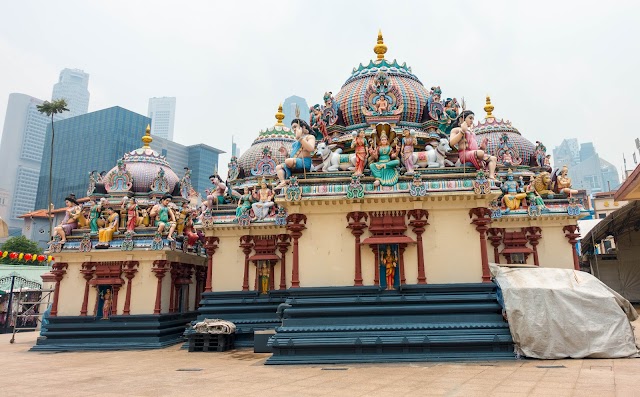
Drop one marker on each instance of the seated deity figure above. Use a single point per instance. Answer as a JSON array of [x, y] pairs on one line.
[[189, 230], [105, 235], [183, 215], [164, 216], [70, 221], [265, 201], [468, 149], [94, 215], [382, 105], [384, 170], [301, 151], [216, 195], [244, 202], [563, 182], [513, 192]]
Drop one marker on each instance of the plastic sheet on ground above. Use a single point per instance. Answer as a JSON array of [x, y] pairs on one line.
[[559, 313], [214, 326]]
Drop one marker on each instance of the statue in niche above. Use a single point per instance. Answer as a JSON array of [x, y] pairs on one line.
[[106, 304], [389, 263], [264, 272], [508, 154], [468, 150], [382, 97]]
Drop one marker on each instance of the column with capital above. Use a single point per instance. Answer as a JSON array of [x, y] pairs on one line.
[[357, 224], [418, 219], [210, 245], [481, 217], [571, 232], [130, 270], [246, 243], [295, 226], [534, 234], [159, 268], [58, 270], [495, 235], [87, 270], [283, 243]]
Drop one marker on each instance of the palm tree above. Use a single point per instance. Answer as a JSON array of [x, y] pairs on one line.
[[51, 109]]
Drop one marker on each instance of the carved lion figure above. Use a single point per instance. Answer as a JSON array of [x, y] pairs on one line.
[[542, 182]]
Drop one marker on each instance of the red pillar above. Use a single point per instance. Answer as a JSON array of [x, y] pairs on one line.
[[357, 226], [114, 300], [58, 270], [129, 272], [482, 221], [87, 271], [495, 235], [571, 233], [401, 248], [211, 244], [283, 246], [295, 225], [376, 268], [246, 243], [418, 223], [534, 234], [175, 269], [201, 274], [159, 268]]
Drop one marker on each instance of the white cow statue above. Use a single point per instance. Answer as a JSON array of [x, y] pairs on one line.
[[334, 160], [433, 157]]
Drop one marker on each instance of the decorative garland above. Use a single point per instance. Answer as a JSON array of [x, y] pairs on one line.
[[27, 257]]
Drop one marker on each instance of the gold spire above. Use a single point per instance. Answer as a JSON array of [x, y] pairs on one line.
[[279, 116], [146, 139], [488, 108], [380, 48]]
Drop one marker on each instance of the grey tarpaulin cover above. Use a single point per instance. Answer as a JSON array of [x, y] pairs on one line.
[[558, 313]]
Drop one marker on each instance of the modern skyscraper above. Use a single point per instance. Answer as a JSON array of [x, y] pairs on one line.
[[162, 112], [73, 87], [289, 109], [586, 169], [96, 140], [21, 149]]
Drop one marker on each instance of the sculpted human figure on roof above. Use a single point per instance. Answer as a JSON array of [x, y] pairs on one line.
[[468, 149], [301, 151]]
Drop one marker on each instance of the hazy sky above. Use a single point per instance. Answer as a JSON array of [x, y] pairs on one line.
[[556, 69]]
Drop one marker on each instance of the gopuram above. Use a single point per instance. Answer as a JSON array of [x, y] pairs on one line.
[[361, 234]]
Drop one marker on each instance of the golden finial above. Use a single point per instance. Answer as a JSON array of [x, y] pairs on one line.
[[146, 139], [280, 116], [488, 108], [380, 48]]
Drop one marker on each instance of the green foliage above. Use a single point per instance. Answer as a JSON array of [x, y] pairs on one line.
[[19, 244], [53, 107]]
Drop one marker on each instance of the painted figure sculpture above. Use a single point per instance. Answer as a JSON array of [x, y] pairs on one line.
[[105, 235], [164, 216], [301, 151], [360, 144], [408, 142], [468, 149], [70, 221], [384, 169], [262, 207], [513, 192]]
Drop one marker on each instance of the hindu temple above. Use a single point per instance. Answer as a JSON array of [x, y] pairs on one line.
[[361, 234]]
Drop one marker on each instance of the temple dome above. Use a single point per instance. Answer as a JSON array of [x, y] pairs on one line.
[[277, 140], [143, 165], [493, 129], [351, 97]]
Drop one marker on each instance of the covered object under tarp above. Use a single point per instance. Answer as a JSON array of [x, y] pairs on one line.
[[559, 313]]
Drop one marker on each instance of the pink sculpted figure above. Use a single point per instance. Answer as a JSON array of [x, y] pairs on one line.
[[468, 148]]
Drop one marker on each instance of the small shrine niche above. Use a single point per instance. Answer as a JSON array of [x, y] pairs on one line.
[[515, 248], [389, 260], [265, 260]]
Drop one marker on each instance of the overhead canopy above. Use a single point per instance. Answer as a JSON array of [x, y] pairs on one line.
[[619, 221]]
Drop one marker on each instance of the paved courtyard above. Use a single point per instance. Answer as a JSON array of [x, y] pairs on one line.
[[175, 372]]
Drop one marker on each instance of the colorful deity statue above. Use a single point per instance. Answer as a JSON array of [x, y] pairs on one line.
[[189, 230], [390, 263], [408, 142], [164, 216], [106, 304], [360, 143], [451, 109], [317, 123], [384, 169], [185, 184], [301, 151], [183, 214], [143, 217], [540, 154], [93, 180], [513, 192], [244, 202], [508, 155], [94, 214], [233, 169], [262, 207], [330, 110], [563, 182], [216, 195], [105, 235], [70, 220], [468, 150], [542, 184], [132, 214], [264, 277], [382, 97]]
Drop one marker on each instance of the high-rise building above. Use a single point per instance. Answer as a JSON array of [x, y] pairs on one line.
[[73, 87], [23, 139], [586, 169], [289, 109], [96, 140], [162, 112]]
